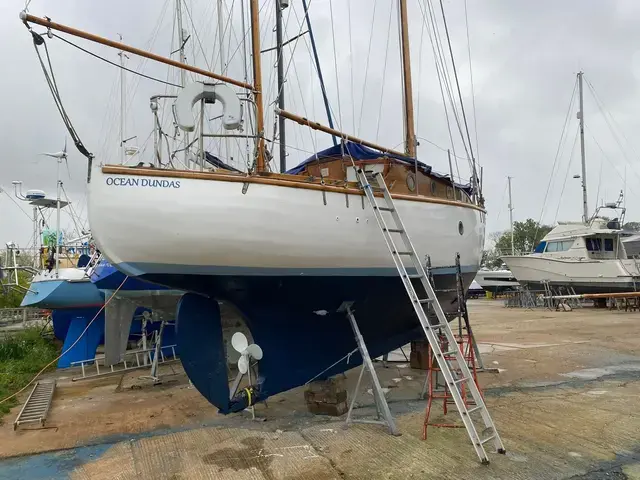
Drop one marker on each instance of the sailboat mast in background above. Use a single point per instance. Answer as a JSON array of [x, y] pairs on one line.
[[183, 73], [585, 204], [280, 5], [123, 107]]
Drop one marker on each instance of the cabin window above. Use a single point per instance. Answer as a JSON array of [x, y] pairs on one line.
[[460, 228], [593, 244], [411, 182], [559, 246], [540, 247], [608, 244], [433, 187]]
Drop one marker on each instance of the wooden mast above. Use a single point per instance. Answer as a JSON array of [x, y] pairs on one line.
[[257, 83], [410, 133]]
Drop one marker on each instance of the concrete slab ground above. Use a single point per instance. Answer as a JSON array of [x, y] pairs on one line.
[[565, 403]]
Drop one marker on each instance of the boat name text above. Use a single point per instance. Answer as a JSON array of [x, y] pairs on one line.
[[141, 182]]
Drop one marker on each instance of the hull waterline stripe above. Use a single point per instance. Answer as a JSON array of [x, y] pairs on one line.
[[137, 269]]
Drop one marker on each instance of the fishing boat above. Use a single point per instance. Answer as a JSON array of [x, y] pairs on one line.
[[284, 249], [496, 281], [582, 257], [587, 258]]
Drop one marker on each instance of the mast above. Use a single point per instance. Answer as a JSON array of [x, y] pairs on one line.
[[223, 65], [257, 82], [410, 133], [325, 98], [123, 107], [183, 73], [281, 122], [513, 251], [58, 219], [585, 204]]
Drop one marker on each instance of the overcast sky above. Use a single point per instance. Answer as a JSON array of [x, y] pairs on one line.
[[524, 57]]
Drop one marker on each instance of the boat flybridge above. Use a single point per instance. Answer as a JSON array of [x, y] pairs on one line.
[[588, 257]]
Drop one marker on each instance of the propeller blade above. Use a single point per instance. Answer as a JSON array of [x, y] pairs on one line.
[[243, 364], [52, 155], [64, 150], [254, 351], [239, 342], [66, 162]]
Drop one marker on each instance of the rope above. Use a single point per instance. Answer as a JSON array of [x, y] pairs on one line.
[[114, 63], [68, 349], [51, 81], [555, 160], [347, 356]]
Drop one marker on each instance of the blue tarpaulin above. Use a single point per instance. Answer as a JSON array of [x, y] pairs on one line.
[[360, 152]]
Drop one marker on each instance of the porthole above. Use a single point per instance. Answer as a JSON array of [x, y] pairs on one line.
[[411, 182], [449, 192], [433, 187], [460, 228]]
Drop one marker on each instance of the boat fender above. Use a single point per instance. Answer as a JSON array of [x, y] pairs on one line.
[[194, 92]]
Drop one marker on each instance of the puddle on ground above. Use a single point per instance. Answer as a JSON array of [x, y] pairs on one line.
[[593, 373]]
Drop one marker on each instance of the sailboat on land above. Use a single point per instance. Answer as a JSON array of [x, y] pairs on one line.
[[285, 249]]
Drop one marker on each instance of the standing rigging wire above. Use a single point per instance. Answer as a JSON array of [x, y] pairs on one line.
[[555, 160], [464, 115], [504, 193], [600, 180], [353, 104], [384, 71], [473, 94], [441, 80], [16, 203], [566, 175], [335, 64], [606, 157], [74, 216], [611, 129], [114, 63], [444, 77], [366, 69], [605, 111]]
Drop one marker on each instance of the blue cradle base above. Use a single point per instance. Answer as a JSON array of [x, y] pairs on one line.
[[286, 317]]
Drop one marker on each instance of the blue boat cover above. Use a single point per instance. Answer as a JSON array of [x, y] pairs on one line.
[[360, 152]]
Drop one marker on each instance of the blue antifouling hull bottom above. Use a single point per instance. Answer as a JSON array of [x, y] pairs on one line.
[[296, 323]]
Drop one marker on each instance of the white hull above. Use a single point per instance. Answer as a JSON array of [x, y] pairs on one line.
[[210, 227], [489, 279], [604, 273]]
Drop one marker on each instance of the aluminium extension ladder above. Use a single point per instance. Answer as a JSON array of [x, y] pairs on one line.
[[36, 408], [452, 364]]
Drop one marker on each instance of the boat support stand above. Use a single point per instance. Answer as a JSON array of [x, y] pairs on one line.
[[384, 416]]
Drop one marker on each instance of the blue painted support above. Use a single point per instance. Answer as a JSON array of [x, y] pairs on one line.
[[317, 60], [88, 344]]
